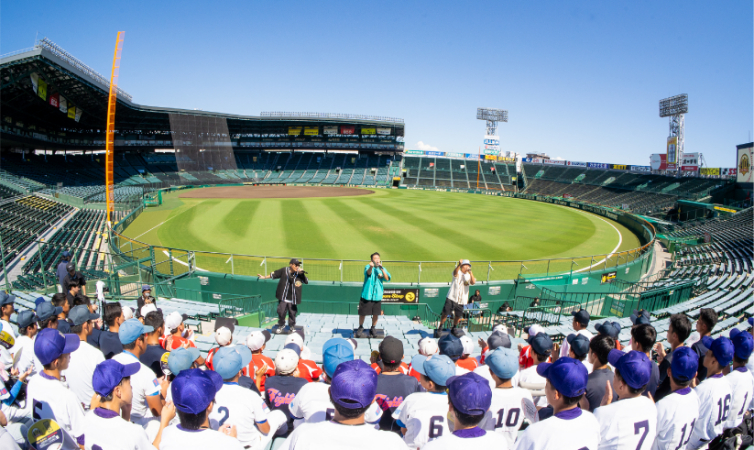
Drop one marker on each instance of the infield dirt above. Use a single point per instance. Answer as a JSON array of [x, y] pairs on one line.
[[273, 192]]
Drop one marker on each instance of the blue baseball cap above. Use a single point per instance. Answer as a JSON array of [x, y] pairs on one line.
[[354, 384], [181, 359], [26, 318], [684, 364], [37, 301], [437, 368], [743, 343], [578, 343], [145, 287], [109, 373], [635, 367], [45, 310], [51, 344], [640, 316], [470, 394], [541, 344], [65, 254], [582, 316], [567, 375], [6, 299], [503, 362], [193, 390], [131, 329], [334, 352], [721, 347], [611, 329], [80, 314], [450, 346], [229, 360]]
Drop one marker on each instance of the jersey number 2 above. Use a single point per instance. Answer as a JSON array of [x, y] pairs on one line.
[[637, 427], [225, 412]]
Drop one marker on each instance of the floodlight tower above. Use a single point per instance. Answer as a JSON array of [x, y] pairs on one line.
[[675, 107], [491, 139]]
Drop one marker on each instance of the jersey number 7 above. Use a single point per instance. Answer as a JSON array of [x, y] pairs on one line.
[[637, 427]]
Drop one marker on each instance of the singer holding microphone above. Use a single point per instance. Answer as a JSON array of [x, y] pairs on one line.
[[288, 292], [371, 293]]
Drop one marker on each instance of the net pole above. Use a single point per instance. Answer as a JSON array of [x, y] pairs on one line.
[[110, 132], [478, 165]]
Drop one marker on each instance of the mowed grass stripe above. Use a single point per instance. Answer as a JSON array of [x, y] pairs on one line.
[[302, 231], [239, 219], [177, 233]]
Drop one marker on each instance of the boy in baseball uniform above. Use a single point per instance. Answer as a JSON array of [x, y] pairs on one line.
[[678, 411]]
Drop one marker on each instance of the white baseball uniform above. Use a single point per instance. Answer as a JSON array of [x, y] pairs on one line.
[[312, 405], [484, 372], [530, 376], [450, 441], [676, 415], [80, 370], [714, 407], [175, 437], [143, 383], [424, 416], [25, 345], [628, 424], [506, 414], [106, 429], [244, 408], [334, 436], [742, 388], [49, 398], [577, 433]]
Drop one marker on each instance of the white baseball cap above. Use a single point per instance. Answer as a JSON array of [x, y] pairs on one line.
[[223, 336], [468, 344], [257, 339], [173, 320], [286, 361], [500, 328], [148, 308], [535, 330], [294, 338], [128, 313], [428, 346]]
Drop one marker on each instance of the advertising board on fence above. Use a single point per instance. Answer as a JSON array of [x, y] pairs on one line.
[[641, 169], [593, 165], [347, 129], [311, 131], [726, 172], [555, 162], [383, 131], [658, 161], [428, 153], [330, 130], [690, 162], [576, 163], [619, 166], [709, 171], [368, 130], [400, 296], [294, 131]]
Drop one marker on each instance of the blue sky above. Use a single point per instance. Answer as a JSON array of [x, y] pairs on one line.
[[581, 79]]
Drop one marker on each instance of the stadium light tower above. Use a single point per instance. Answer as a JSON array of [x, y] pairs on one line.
[[491, 139], [675, 107]]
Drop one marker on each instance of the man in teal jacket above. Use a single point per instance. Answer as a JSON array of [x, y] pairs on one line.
[[371, 293]]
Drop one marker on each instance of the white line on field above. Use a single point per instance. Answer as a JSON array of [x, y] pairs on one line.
[[163, 222]]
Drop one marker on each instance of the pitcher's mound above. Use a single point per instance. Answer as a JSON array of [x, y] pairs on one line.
[[273, 192]]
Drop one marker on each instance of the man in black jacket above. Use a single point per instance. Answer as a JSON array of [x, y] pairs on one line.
[[288, 292]]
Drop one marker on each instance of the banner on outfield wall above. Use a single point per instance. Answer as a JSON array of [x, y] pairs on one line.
[[609, 277], [311, 131], [472, 156], [369, 131], [709, 171], [42, 89], [592, 165], [555, 162], [641, 169], [690, 162], [63, 105], [727, 172], [434, 153], [413, 152], [348, 129], [618, 166], [294, 131], [383, 131], [506, 159], [576, 163], [672, 153], [658, 161], [71, 112], [744, 158], [400, 296], [490, 157], [330, 130], [453, 155]]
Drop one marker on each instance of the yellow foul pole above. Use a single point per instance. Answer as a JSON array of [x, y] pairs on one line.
[[110, 131]]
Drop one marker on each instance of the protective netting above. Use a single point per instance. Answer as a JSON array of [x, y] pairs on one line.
[[201, 143]]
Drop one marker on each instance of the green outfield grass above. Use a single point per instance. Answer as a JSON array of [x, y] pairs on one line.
[[404, 225]]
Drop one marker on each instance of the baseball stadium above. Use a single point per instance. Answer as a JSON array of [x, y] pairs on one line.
[[202, 209]]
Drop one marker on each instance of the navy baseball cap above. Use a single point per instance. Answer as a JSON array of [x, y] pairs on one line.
[[334, 352], [38, 301], [181, 359], [229, 360], [295, 347], [438, 368], [450, 346], [497, 340], [567, 375], [391, 350], [684, 364], [51, 344], [721, 347], [65, 254], [26, 318], [582, 316], [354, 384], [503, 362], [80, 314], [611, 329], [6, 299], [45, 310], [635, 367], [131, 329], [470, 394], [743, 344], [70, 267], [640, 316], [579, 344], [541, 344], [145, 287], [109, 373], [193, 390]]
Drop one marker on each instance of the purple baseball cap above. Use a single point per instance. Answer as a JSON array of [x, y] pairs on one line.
[[685, 364], [635, 367], [470, 394], [194, 389], [721, 347], [354, 384], [743, 343], [109, 373], [567, 375], [51, 344]]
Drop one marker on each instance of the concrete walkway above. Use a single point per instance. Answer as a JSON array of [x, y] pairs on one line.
[[662, 259]]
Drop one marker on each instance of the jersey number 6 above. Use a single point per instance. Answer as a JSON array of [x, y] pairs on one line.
[[435, 427]]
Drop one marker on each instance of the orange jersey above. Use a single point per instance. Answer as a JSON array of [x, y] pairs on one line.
[[468, 363], [175, 341], [403, 368], [309, 370], [258, 360], [210, 355], [415, 374]]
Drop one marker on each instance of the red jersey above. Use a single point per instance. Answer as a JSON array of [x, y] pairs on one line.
[[403, 368], [258, 360], [210, 355], [414, 374], [468, 363], [526, 358], [308, 370], [175, 341]]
